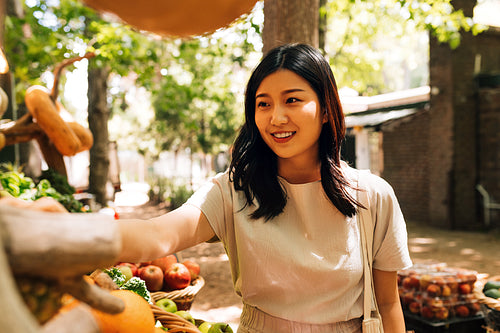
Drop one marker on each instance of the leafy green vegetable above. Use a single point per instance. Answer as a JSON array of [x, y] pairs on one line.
[[45, 189], [116, 275], [58, 181], [138, 286], [15, 183]]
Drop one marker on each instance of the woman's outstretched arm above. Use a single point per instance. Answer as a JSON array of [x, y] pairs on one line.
[[144, 240]]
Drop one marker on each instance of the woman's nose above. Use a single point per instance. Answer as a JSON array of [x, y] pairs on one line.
[[279, 116]]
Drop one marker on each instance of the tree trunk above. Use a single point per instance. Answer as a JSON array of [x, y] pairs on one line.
[[290, 21], [322, 25], [99, 113]]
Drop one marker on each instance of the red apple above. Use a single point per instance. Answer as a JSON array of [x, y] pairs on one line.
[[165, 262], [193, 268], [407, 297], [407, 283], [144, 264], [446, 291], [177, 277], [153, 276], [414, 307], [133, 267], [462, 311], [426, 312], [442, 313], [433, 290], [474, 308], [464, 288]]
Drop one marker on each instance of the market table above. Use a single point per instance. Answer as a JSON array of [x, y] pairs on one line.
[[418, 324]]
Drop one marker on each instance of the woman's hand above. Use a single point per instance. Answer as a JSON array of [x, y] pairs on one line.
[[45, 204]]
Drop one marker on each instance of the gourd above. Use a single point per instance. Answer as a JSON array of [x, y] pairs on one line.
[[83, 134], [45, 114], [44, 123], [45, 110]]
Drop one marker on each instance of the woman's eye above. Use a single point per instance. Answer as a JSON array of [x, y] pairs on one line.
[[292, 100], [262, 104]]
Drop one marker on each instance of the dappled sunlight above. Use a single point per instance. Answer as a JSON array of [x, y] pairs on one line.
[[465, 249], [421, 244], [130, 199], [210, 259], [132, 195], [422, 241], [230, 314]]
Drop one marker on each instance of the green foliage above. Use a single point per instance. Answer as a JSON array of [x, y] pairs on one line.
[[194, 106], [138, 286], [380, 46], [179, 195], [47, 34], [440, 18], [15, 183], [116, 275], [170, 190], [58, 181]]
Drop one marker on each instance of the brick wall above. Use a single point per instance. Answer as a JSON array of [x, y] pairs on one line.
[[489, 148], [405, 144], [435, 158]]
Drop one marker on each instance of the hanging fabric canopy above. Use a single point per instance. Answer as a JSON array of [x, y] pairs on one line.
[[175, 18]]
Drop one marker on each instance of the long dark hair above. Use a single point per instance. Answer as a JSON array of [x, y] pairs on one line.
[[254, 168]]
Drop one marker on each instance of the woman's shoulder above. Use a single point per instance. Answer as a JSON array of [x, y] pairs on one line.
[[367, 180]]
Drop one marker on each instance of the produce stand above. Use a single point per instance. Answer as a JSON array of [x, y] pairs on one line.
[[437, 298], [418, 324], [183, 298], [490, 306]]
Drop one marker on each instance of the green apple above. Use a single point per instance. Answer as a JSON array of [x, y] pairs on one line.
[[127, 271], [167, 305], [186, 315], [205, 326], [220, 328]]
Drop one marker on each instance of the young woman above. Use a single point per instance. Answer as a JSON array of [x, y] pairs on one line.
[[286, 210]]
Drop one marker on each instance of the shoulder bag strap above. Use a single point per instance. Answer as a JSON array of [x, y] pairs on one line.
[[366, 230]]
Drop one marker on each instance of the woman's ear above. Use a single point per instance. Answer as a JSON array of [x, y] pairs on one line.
[[325, 117]]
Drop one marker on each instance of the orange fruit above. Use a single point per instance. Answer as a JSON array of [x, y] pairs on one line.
[[137, 316]]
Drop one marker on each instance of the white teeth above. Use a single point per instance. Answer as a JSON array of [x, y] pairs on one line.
[[282, 135]]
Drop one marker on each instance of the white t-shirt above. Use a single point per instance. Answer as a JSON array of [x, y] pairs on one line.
[[305, 264]]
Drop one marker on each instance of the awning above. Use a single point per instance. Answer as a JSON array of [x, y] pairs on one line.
[[369, 111], [375, 119]]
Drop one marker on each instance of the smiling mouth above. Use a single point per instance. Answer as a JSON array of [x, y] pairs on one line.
[[282, 135]]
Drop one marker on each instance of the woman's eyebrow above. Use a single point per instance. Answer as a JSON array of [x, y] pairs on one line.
[[291, 91], [288, 91]]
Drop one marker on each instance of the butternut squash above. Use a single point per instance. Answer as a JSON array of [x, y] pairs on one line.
[[44, 112], [83, 133], [4, 102], [3, 141]]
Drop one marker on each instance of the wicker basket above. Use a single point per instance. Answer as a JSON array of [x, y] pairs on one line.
[[173, 322], [490, 306], [182, 297]]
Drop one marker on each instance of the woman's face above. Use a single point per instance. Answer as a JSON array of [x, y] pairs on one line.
[[289, 117]]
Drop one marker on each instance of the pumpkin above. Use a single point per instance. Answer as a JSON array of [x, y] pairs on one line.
[[178, 18]]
